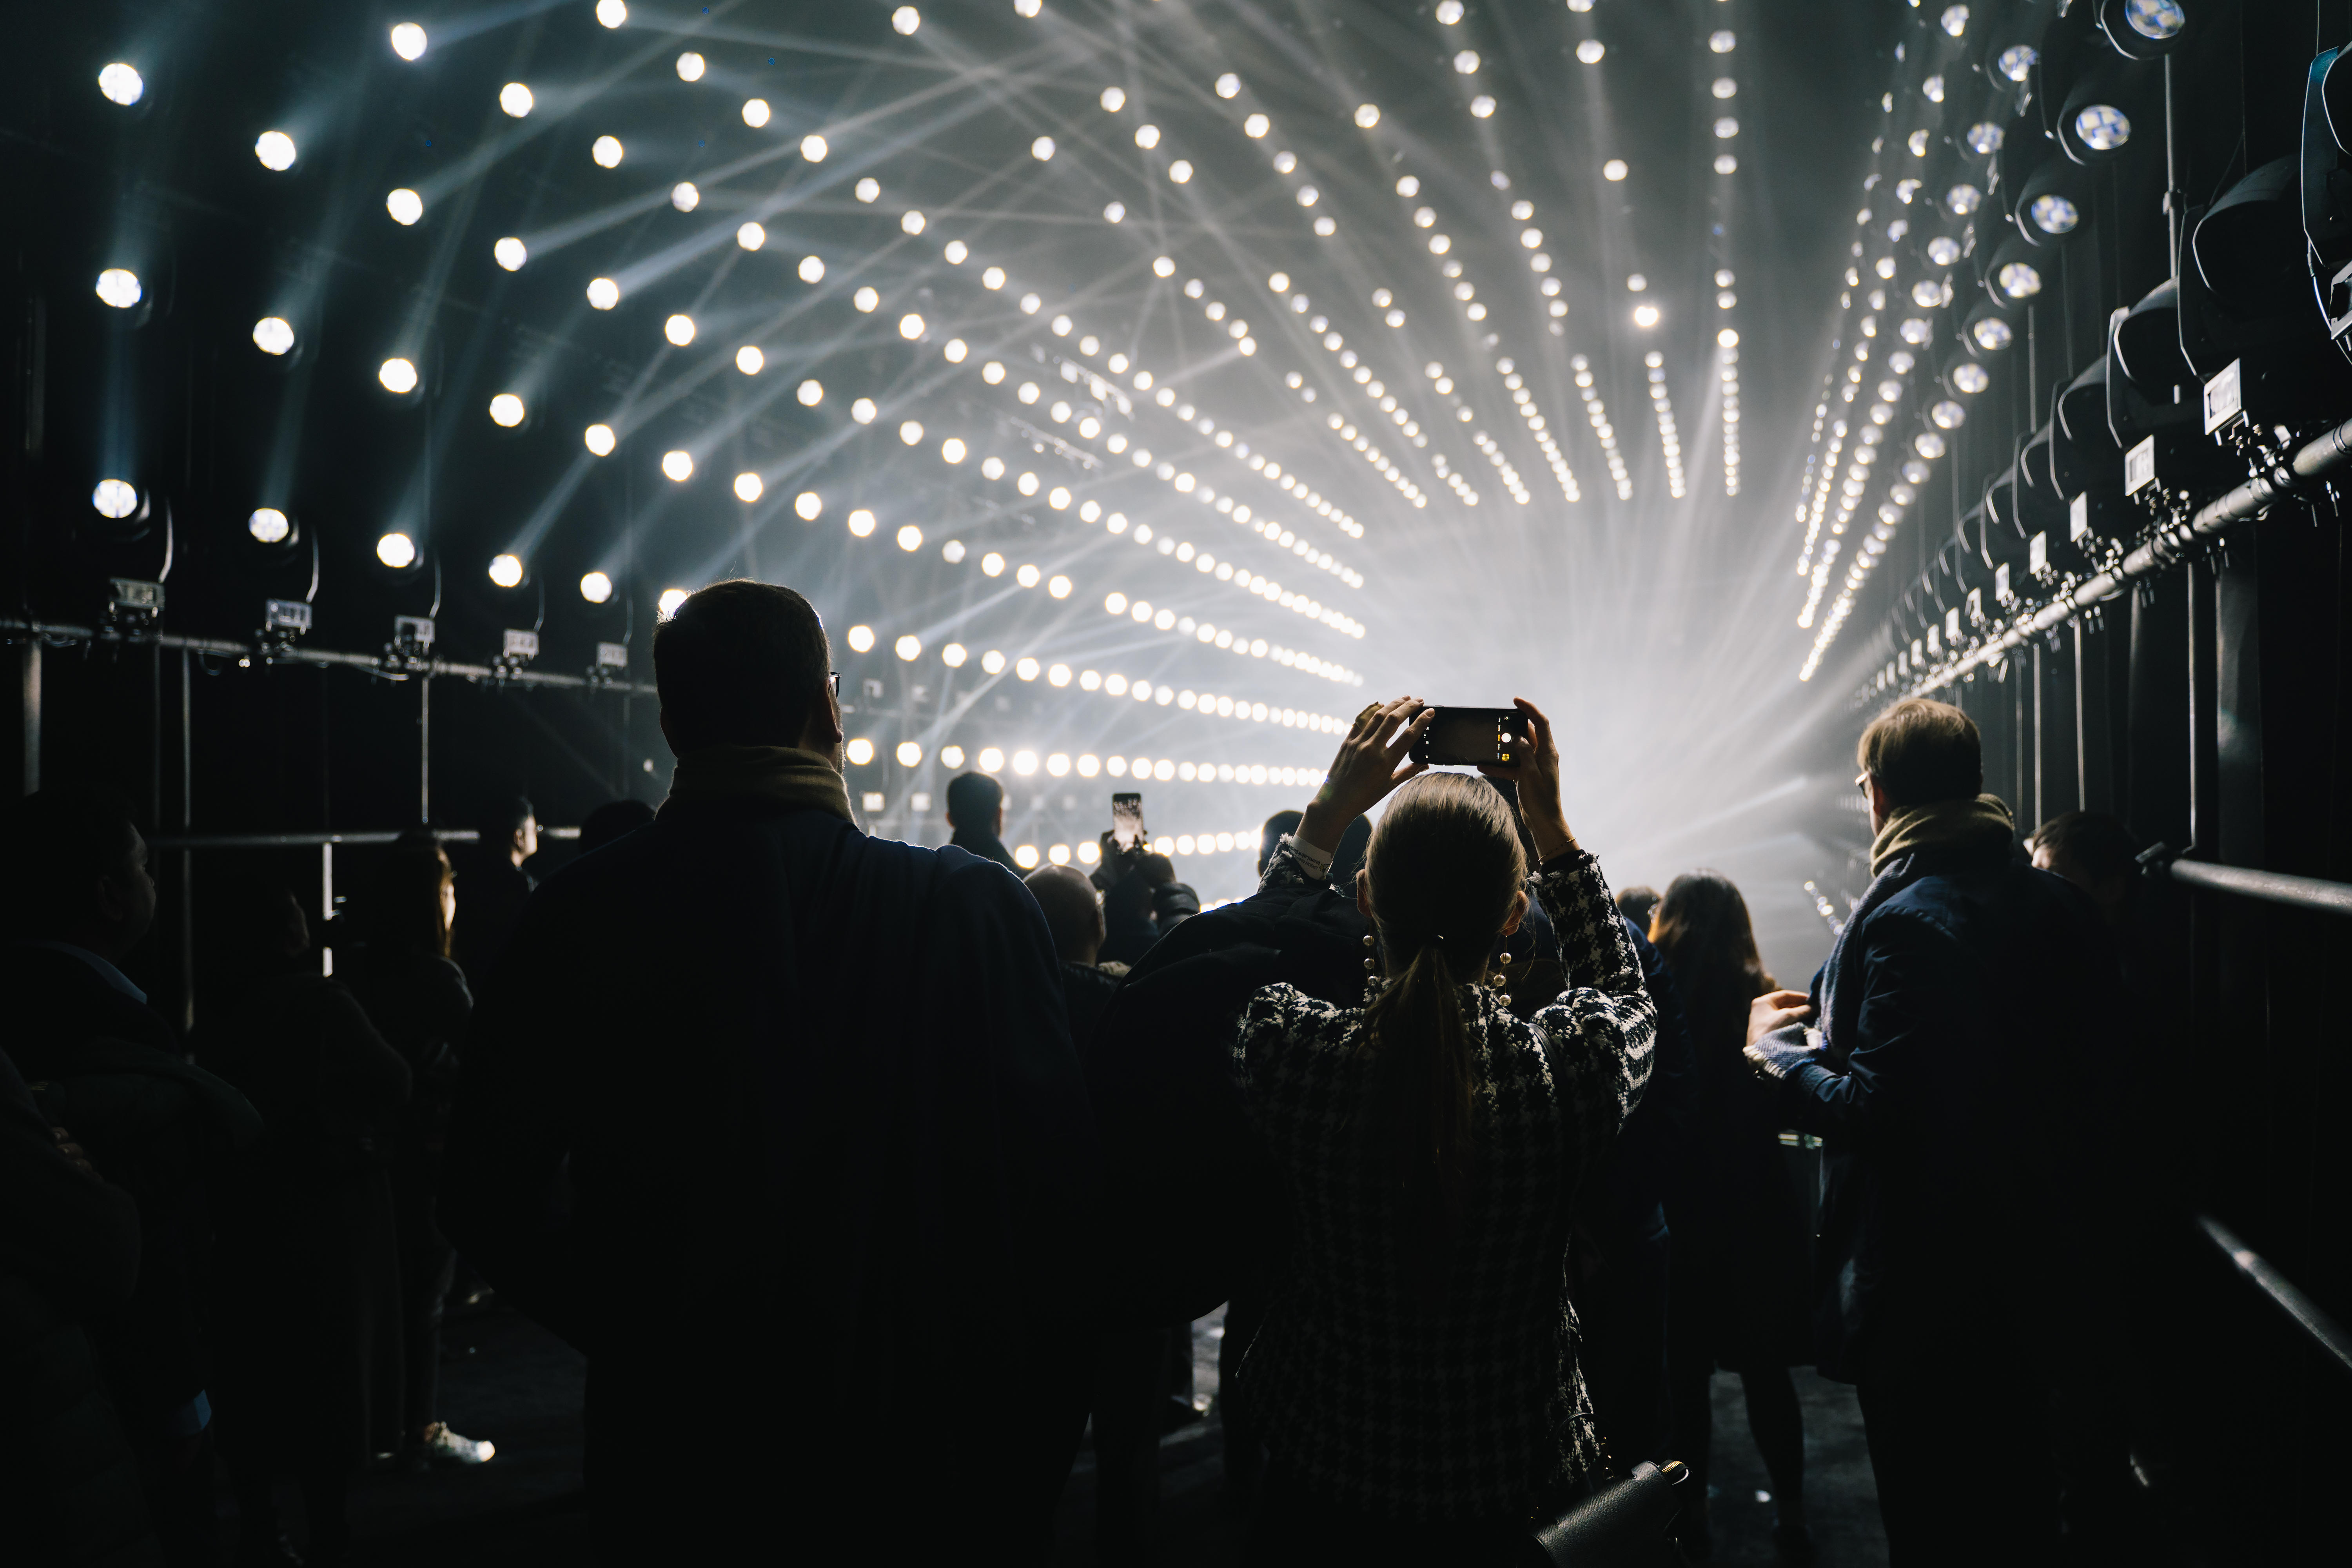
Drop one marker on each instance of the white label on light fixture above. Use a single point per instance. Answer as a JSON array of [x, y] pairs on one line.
[[522, 645], [412, 632], [612, 655], [1976, 608], [2139, 467], [2037, 554], [286, 615], [1952, 627], [2224, 396], [2078, 518], [2001, 584]]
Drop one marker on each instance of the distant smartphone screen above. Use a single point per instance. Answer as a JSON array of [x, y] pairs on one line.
[[1126, 820], [1467, 737]]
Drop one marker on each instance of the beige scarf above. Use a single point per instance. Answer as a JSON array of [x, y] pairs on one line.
[[782, 775], [1980, 824]]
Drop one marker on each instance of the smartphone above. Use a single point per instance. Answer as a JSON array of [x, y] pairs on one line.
[[1467, 737], [1126, 820]]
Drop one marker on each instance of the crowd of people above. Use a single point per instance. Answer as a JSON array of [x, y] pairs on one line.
[[779, 1123]]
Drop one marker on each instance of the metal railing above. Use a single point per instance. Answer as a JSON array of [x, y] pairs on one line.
[[2271, 887], [2322, 1330]]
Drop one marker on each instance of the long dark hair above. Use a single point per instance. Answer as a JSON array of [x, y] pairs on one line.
[[1445, 864], [1702, 928], [403, 913]]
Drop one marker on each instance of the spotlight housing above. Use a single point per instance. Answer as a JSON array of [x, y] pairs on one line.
[[2149, 29]]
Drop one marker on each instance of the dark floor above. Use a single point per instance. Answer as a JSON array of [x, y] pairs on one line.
[[510, 1381]]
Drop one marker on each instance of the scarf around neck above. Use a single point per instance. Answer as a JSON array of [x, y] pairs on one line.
[[1981, 825], [779, 775]]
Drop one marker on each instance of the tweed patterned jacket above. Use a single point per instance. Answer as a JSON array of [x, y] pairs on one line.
[[1474, 1410]]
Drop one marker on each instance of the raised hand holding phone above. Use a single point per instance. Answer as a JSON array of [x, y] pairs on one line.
[[1373, 760], [1536, 771]]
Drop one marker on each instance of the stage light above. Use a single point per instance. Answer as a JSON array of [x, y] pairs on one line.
[[120, 288], [1368, 115], [1481, 106], [1256, 126], [507, 409], [398, 376], [864, 411], [911, 539], [1229, 85], [953, 656], [1614, 170], [950, 756], [122, 84], [671, 602], [1181, 171], [1984, 138], [911, 432], [1146, 136], [1027, 575], [690, 67], [2143, 29], [1955, 20], [861, 639], [1725, 164], [748, 487], [506, 570], [516, 99], [2019, 279], [1591, 50], [1963, 199], [952, 450], [679, 330], [273, 335], [1992, 335], [1722, 41], [1726, 128], [908, 647], [1059, 588], [115, 499], [809, 505], [1467, 62], [911, 752], [2017, 61], [409, 41], [906, 20], [2102, 127], [612, 13], [1113, 100], [599, 439], [866, 299], [750, 360], [955, 349], [861, 523], [1163, 267], [910, 326], [685, 196], [1949, 416], [397, 551], [275, 150], [755, 113], [510, 253], [1645, 316], [991, 565], [596, 587], [751, 236], [1042, 149], [678, 466]]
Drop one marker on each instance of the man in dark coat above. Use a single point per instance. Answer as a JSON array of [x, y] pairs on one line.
[[778, 1170], [492, 885], [1075, 917], [1969, 1022], [976, 816]]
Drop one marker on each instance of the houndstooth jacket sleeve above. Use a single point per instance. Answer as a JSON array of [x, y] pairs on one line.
[[1604, 1026]]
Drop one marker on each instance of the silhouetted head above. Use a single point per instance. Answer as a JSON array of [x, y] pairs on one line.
[[1073, 914], [1278, 827], [614, 819], [1638, 903], [1920, 752], [2096, 852], [976, 804], [509, 825], [1703, 929], [746, 664], [76, 871], [411, 899]]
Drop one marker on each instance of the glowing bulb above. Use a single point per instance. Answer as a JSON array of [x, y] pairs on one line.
[[116, 498], [1614, 170], [861, 639], [397, 376], [1256, 126], [606, 152], [602, 293], [685, 196], [864, 411], [811, 392], [906, 20], [679, 330], [813, 147], [910, 221], [678, 466], [911, 432], [812, 269], [751, 236], [612, 13], [408, 40], [122, 84], [505, 410], [506, 570], [270, 526], [750, 360], [1042, 149], [671, 601], [908, 647], [515, 98], [690, 67], [910, 753], [1229, 85], [808, 505], [275, 150], [273, 335], [953, 656], [510, 253], [120, 288], [952, 450], [755, 113], [599, 439], [405, 206], [867, 298], [1645, 315], [397, 551], [596, 587], [861, 523], [1589, 51]]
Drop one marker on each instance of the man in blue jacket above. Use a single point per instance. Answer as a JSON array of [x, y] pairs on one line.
[[1961, 1078], [775, 1121]]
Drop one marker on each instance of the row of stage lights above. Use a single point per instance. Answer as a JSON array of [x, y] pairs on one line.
[[1027, 764]]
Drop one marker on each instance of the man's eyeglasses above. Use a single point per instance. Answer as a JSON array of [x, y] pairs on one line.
[[833, 682]]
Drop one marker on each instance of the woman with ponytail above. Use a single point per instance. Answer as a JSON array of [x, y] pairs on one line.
[[1416, 1373]]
